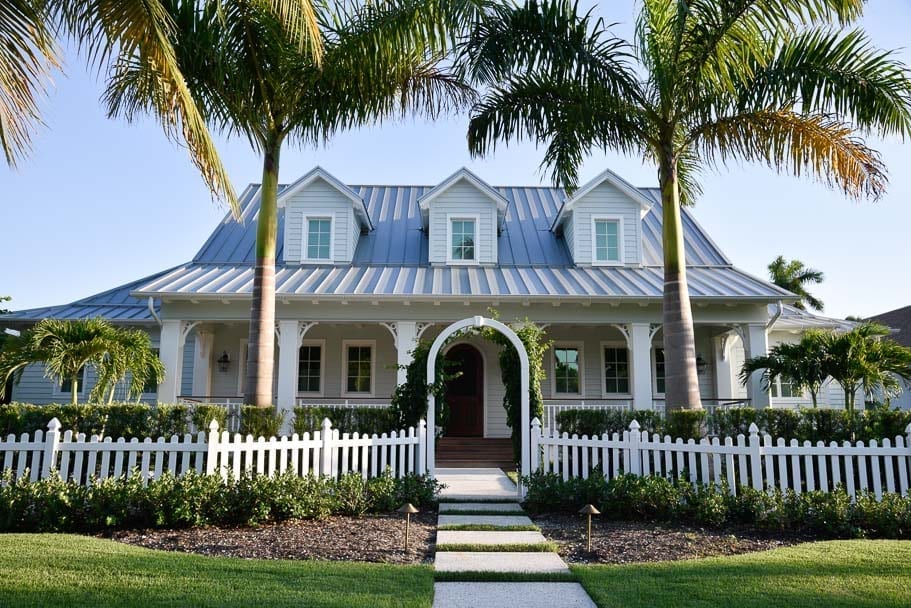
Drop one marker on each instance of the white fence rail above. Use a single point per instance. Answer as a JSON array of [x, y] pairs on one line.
[[327, 452], [753, 461]]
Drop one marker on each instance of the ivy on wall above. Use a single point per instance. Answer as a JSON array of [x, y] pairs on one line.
[[409, 400]]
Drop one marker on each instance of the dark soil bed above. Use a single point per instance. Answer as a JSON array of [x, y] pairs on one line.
[[372, 538], [626, 542]]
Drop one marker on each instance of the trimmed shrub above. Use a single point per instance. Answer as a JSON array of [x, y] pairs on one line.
[[684, 424], [52, 505], [261, 421], [352, 419], [597, 422], [203, 414]]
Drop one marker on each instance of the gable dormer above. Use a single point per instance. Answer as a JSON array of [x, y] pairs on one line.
[[602, 222], [324, 220], [463, 216]]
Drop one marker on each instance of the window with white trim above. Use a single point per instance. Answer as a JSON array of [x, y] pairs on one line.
[[319, 238], [783, 388], [359, 368], [659, 371], [616, 370], [607, 240], [66, 384], [310, 368], [463, 239], [567, 370]]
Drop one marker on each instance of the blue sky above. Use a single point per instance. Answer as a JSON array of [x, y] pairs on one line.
[[100, 202]]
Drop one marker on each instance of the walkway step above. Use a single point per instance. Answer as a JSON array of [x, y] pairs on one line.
[[505, 507], [484, 520], [510, 595], [475, 484], [537, 563], [465, 537]]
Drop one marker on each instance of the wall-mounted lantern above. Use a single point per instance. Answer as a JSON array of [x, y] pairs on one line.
[[224, 362]]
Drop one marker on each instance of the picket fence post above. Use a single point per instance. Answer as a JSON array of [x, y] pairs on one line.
[[755, 458], [325, 456], [422, 445], [535, 440], [212, 448], [51, 446], [635, 456]]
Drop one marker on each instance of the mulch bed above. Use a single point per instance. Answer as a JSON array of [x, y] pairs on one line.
[[626, 542], [372, 538]]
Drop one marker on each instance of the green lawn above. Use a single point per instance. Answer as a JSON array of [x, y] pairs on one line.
[[65, 570], [850, 574]]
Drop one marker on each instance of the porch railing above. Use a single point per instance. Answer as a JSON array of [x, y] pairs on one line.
[[552, 409]]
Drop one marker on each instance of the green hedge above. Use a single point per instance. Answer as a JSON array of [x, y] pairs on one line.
[[52, 505], [116, 420], [651, 498], [363, 420], [813, 424], [684, 424]]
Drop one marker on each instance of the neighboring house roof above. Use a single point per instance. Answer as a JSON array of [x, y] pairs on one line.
[[900, 321], [793, 318], [392, 260]]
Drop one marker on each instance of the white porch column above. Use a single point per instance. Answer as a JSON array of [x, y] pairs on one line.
[[289, 340], [724, 375], [202, 363], [406, 336], [755, 344], [170, 350], [640, 338]]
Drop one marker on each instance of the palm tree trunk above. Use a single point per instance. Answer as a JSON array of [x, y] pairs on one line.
[[74, 389], [261, 345], [681, 379]]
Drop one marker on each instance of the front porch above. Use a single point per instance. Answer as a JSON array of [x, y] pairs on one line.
[[355, 364]]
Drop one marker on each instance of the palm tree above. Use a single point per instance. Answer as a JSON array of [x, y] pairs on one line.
[[803, 365], [251, 79], [66, 347], [118, 36], [794, 276], [704, 83]]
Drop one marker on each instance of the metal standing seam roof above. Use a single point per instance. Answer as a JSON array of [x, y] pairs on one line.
[[797, 319], [392, 261]]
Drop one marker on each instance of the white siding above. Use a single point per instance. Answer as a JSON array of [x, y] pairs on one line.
[[569, 234], [463, 200], [319, 199], [605, 200]]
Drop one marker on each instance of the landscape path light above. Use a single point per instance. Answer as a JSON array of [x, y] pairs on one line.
[[589, 510], [407, 509]]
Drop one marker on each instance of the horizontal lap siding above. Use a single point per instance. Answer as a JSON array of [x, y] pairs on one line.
[[319, 199], [605, 200], [463, 199]]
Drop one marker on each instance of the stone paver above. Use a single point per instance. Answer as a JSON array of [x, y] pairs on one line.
[[505, 507], [487, 484], [538, 563], [461, 537], [510, 595], [484, 520]]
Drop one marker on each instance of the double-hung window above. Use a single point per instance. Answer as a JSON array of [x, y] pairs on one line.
[[359, 368], [567, 370], [659, 371], [607, 241], [463, 239], [319, 238], [66, 384], [310, 368], [783, 388], [616, 371]]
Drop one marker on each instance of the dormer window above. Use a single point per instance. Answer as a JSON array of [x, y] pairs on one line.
[[319, 238], [463, 235], [607, 240]]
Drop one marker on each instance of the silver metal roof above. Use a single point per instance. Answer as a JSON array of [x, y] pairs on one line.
[[392, 261], [793, 318]]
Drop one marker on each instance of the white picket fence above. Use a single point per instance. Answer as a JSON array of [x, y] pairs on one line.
[[327, 452], [754, 461]]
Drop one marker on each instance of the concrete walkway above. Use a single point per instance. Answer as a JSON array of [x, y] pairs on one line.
[[495, 503]]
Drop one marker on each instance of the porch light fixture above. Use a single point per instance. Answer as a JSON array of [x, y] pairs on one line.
[[407, 509], [589, 510], [701, 364], [224, 362]]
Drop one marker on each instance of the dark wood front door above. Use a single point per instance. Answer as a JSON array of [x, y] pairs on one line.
[[465, 394]]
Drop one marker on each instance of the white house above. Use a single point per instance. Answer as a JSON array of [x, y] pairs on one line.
[[365, 271]]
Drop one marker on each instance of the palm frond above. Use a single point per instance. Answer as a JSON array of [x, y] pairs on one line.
[[28, 55], [795, 143]]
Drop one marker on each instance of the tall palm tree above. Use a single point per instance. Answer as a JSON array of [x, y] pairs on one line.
[[794, 276], [803, 365], [118, 35], [703, 83], [66, 347], [252, 79]]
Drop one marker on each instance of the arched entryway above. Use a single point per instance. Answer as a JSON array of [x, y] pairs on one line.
[[465, 392]]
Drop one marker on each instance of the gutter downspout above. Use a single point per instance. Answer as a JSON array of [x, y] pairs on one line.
[[771, 322], [158, 319]]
